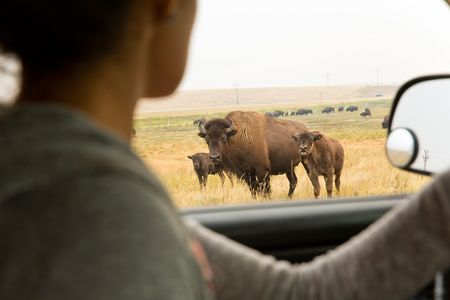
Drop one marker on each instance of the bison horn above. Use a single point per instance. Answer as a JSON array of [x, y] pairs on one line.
[[230, 128], [201, 127]]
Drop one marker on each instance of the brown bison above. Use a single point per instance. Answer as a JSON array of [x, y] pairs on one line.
[[352, 108], [133, 132], [328, 110], [303, 111], [204, 166], [366, 113], [253, 147], [385, 123], [323, 156]]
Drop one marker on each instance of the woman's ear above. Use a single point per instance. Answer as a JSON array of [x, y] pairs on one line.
[[169, 46], [166, 9]]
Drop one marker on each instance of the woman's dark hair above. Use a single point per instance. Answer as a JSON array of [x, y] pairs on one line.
[[51, 34]]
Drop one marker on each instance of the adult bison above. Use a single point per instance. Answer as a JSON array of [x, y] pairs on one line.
[[328, 110], [278, 113], [303, 111], [203, 166], [352, 108], [385, 123], [253, 147], [366, 113], [323, 156]]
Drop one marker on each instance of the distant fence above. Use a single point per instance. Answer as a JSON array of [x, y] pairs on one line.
[[171, 123]]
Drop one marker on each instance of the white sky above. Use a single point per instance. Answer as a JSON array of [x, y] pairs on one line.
[[265, 43]]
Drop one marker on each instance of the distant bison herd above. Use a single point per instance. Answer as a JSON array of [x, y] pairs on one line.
[[306, 111]]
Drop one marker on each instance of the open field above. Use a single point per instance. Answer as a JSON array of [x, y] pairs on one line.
[[165, 141], [260, 98]]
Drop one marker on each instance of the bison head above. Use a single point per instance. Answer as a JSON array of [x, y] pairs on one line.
[[196, 161], [306, 141], [216, 134]]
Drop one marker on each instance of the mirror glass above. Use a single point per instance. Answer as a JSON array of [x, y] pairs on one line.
[[424, 110], [401, 147]]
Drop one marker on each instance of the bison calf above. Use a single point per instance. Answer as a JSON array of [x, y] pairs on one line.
[[204, 166], [323, 156]]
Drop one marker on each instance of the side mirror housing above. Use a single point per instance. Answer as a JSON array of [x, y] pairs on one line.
[[418, 139]]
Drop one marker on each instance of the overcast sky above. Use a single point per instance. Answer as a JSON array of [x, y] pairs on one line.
[[265, 43]]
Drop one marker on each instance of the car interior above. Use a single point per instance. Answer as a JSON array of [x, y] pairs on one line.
[[297, 231], [339, 68]]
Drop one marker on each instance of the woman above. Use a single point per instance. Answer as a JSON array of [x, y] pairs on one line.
[[82, 218]]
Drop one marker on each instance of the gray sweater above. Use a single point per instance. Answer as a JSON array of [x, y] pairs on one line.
[[82, 218]]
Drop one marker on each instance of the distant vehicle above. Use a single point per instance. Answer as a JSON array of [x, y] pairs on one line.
[[379, 95]]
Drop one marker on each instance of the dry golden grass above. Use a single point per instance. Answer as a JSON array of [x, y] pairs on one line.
[[366, 170]]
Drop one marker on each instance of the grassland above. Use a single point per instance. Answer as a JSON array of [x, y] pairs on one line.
[[164, 141]]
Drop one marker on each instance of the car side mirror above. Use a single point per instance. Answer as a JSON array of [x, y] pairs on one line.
[[419, 123]]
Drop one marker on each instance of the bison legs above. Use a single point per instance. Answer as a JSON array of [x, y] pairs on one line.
[[229, 175], [202, 179], [329, 183], [337, 181], [315, 182], [263, 183], [305, 166], [258, 184], [265, 186], [292, 182], [252, 183], [222, 178]]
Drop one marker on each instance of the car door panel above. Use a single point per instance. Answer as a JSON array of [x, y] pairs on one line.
[[296, 230]]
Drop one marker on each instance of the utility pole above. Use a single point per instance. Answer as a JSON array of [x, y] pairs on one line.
[[236, 85], [426, 157]]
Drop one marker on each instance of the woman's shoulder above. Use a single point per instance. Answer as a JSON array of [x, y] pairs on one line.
[[44, 144]]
